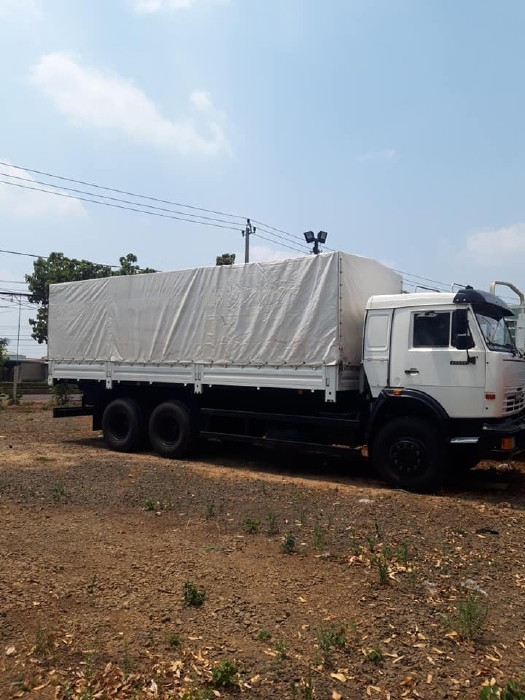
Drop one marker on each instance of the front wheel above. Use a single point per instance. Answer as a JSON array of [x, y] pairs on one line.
[[171, 430], [408, 453]]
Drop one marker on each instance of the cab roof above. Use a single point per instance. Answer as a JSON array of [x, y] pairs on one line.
[[463, 296]]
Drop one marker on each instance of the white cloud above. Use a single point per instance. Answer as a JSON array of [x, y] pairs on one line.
[[492, 247], [91, 98], [388, 154], [23, 203], [19, 7], [152, 6], [201, 100], [147, 6]]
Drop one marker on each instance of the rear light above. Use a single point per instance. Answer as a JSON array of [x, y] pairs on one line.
[[508, 443]]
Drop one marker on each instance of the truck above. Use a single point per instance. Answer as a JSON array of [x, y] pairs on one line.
[[324, 353]]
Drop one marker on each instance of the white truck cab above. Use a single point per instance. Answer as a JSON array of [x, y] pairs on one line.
[[450, 356]]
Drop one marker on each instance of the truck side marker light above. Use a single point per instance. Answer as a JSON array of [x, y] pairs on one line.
[[508, 443], [490, 397], [397, 392]]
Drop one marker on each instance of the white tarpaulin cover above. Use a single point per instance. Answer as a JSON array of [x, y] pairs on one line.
[[302, 311]]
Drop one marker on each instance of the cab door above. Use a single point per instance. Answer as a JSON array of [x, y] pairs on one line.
[[423, 357]]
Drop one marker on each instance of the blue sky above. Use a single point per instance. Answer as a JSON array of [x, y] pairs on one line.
[[395, 125]]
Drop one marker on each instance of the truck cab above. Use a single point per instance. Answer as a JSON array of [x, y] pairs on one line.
[[448, 360]]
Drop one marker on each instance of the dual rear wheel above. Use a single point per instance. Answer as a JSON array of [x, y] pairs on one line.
[[169, 429]]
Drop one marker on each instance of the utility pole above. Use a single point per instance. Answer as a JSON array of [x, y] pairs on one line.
[[19, 296], [247, 232]]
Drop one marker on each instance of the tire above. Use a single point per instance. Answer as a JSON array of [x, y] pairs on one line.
[[408, 453], [463, 458], [123, 425], [171, 430]]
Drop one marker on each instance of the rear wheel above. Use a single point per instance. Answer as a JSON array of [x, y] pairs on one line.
[[123, 425], [171, 430], [408, 453]]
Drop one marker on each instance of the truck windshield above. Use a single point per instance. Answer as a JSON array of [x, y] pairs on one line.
[[495, 330]]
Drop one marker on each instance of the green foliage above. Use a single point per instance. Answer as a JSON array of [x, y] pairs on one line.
[[329, 638], [273, 526], [288, 544], [381, 562], [4, 342], [280, 649], [512, 690], [250, 525], [225, 259], [470, 617], [62, 393], [375, 655], [319, 536], [193, 597], [264, 636], [175, 640], [58, 268], [224, 674], [149, 505]]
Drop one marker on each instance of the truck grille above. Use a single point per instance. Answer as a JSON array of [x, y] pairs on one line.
[[514, 400]]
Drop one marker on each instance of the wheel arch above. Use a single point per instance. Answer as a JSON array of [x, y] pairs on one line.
[[410, 402]]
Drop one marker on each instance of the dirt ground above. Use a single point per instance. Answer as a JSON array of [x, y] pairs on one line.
[[318, 581]]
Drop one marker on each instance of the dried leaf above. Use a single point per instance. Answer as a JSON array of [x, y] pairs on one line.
[[336, 695], [339, 677], [429, 678]]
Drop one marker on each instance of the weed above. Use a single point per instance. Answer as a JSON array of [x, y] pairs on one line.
[[90, 588], [288, 544], [193, 597], [471, 616], [58, 494], [126, 661], [280, 649], [43, 641], [375, 655], [512, 690], [194, 693], [264, 636], [175, 640], [149, 505], [62, 393], [224, 675], [382, 569], [273, 527], [319, 536], [250, 525], [211, 548], [356, 549], [308, 686], [379, 532], [372, 541], [210, 511], [329, 638], [402, 553]]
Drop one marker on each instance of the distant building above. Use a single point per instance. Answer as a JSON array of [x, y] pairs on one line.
[[29, 369]]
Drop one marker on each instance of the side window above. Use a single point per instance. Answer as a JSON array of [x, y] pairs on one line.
[[431, 329]]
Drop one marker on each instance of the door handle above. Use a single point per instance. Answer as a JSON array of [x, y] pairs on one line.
[[412, 370]]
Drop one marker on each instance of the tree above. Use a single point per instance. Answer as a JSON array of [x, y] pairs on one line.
[[4, 342], [57, 268], [225, 259]]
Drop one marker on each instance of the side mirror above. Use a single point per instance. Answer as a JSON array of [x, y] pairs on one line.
[[463, 341]]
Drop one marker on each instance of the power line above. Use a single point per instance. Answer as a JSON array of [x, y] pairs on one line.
[[114, 189], [113, 199], [116, 206]]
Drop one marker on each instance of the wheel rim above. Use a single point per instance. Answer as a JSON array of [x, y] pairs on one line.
[[408, 456], [119, 425], [167, 430]]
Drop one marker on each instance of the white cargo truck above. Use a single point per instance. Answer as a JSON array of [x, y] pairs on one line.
[[323, 352]]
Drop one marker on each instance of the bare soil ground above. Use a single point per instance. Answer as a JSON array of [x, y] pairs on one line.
[[318, 581]]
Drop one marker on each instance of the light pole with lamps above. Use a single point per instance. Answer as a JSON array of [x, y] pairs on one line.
[[318, 240]]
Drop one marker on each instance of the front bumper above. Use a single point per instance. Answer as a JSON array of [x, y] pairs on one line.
[[503, 437]]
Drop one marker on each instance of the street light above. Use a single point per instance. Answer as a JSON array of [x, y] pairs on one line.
[[320, 239]]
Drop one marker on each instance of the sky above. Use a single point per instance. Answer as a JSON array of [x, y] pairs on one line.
[[394, 125]]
